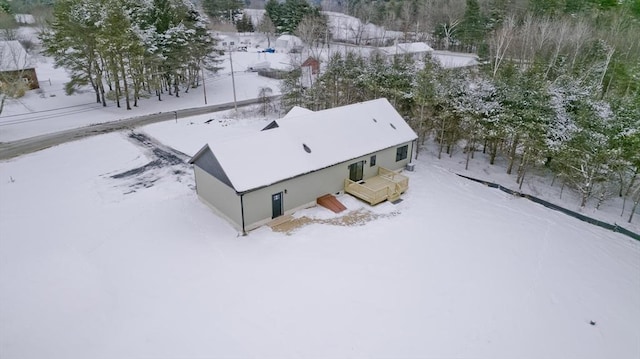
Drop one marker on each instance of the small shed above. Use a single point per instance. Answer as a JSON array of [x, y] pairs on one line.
[[299, 158], [16, 64], [313, 64], [310, 69]]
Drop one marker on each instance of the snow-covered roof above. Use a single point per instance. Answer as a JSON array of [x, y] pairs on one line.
[[455, 59], [297, 111], [288, 41], [13, 56], [331, 136], [407, 48], [24, 19]]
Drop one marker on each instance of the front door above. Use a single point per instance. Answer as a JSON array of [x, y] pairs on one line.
[[356, 171], [276, 205]]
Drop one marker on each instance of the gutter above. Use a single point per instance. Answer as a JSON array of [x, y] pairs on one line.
[[244, 232]]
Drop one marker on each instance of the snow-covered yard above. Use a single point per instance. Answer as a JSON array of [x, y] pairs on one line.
[[102, 267], [106, 252]]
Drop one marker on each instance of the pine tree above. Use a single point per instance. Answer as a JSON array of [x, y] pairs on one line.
[[127, 46], [226, 11], [473, 26], [244, 24]]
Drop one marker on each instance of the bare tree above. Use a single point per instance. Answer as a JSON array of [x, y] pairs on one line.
[[264, 96], [314, 32], [42, 15], [266, 27], [500, 41], [8, 27], [580, 34]]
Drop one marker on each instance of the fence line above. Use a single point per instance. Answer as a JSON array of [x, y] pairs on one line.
[[613, 227]]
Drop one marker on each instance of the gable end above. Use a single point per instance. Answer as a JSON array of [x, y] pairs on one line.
[[207, 161]]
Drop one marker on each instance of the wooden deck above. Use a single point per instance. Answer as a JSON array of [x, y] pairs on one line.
[[387, 185]]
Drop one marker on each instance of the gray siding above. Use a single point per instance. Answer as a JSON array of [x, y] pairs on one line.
[[219, 196], [303, 191], [208, 162]]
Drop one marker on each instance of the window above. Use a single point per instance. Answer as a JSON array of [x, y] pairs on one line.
[[401, 153], [372, 161]]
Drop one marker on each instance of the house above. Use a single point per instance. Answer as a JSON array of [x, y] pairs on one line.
[[231, 41], [304, 156], [24, 19], [451, 60], [416, 50], [286, 43], [16, 64]]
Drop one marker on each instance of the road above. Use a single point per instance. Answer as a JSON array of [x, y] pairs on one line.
[[28, 145]]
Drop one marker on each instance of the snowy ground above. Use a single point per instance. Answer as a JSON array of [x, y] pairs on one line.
[[136, 266], [106, 252]]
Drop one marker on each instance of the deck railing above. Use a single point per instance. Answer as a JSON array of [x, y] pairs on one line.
[[396, 184], [363, 192]]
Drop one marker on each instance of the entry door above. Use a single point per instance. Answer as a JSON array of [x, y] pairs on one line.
[[356, 171], [276, 205]]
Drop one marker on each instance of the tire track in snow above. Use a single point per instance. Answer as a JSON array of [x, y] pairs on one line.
[[164, 162]]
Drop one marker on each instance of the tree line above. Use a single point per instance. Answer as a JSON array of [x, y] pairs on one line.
[[129, 49], [558, 94]]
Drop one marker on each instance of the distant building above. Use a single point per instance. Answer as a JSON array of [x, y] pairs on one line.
[[310, 71], [417, 50], [450, 60], [16, 64], [24, 19], [288, 43], [313, 64]]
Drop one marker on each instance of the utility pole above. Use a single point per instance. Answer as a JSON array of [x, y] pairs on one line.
[[204, 86], [233, 82]]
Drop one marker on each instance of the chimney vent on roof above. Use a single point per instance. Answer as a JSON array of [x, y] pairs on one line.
[[392, 126], [306, 148]]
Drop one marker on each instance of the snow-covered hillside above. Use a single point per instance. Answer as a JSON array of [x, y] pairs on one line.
[[344, 27], [98, 261]]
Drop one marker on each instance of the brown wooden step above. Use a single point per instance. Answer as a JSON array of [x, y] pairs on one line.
[[330, 202]]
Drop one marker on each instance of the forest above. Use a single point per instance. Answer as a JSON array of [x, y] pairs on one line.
[[558, 90], [128, 49]]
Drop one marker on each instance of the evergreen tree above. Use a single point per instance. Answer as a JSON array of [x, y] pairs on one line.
[[5, 7], [227, 11], [244, 24], [121, 47], [545, 7], [473, 26], [287, 15]]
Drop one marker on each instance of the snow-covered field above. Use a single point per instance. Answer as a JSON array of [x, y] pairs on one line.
[[93, 266], [107, 254]]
